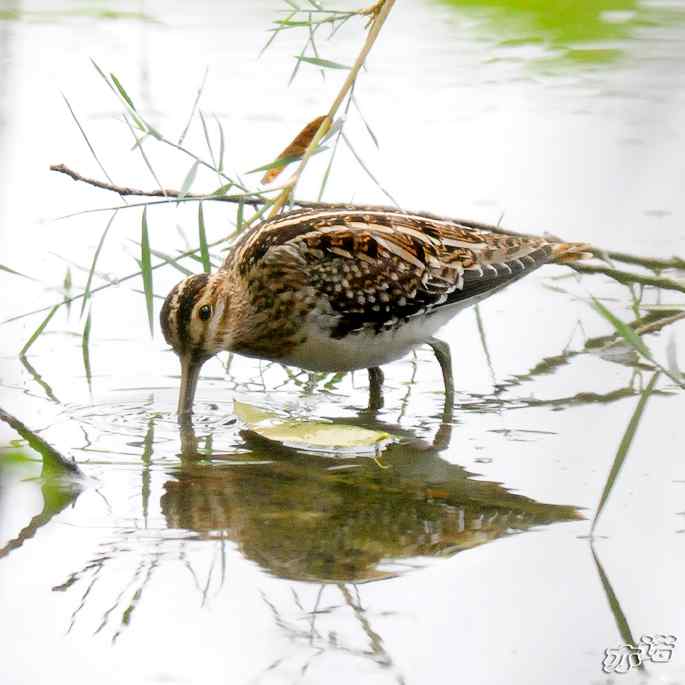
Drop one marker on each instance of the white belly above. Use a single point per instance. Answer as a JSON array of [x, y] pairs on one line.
[[366, 349]]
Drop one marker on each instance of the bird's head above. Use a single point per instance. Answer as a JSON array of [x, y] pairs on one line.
[[191, 321]]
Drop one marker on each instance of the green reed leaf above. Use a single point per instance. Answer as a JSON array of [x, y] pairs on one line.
[[672, 357], [623, 449], [204, 249], [170, 260], [208, 140], [15, 273], [323, 63], [222, 144], [194, 108], [625, 331], [240, 216], [285, 161], [85, 343], [123, 92], [89, 281], [146, 269], [39, 330], [188, 181], [222, 190]]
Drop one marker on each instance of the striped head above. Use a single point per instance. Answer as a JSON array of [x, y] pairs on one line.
[[190, 320]]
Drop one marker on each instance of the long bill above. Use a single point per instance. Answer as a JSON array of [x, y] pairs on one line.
[[190, 372]]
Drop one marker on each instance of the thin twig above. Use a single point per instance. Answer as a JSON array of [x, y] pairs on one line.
[[249, 199], [628, 277]]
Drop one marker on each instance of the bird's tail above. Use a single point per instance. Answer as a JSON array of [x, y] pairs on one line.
[[570, 252]]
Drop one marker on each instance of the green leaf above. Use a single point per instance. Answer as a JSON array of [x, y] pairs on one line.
[[123, 92], [623, 448], [323, 63], [284, 161], [240, 216], [672, 357], [170, 260], [204, 250], [207, 139], [222, 144], [16, 273], [623, 329], [146, 268], [188, 181], [85, 342], [222, 190], [39, 330], [86, 293]]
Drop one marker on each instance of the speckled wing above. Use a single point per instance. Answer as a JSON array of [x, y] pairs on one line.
[[379, 267]]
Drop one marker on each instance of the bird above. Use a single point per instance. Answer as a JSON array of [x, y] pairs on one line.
[[345, 287]]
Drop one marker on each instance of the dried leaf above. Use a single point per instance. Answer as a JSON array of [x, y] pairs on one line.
[[296, 148], [315, 436]]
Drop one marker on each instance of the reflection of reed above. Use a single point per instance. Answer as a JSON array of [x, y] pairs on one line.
[[321, 642]]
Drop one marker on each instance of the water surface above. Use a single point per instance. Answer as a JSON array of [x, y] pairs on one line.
[[458, 551]]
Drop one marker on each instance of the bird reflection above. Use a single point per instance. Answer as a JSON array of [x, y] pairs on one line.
[[312, 517]]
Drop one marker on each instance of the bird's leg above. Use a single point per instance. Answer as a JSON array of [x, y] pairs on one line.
[[442, 354], [375, 388]]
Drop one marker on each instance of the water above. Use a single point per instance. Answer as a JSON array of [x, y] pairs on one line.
[[459, 550]]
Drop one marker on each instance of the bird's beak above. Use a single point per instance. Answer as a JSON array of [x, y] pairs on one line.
[[190, 372]]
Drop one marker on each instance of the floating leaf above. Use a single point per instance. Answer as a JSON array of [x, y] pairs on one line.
[[294, 151], [252, 415], [146, 269], [318, 436], [204, 250]]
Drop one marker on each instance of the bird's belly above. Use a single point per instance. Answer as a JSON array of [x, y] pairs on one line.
[[364, 349]]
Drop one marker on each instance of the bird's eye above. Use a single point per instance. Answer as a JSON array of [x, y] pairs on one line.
[[205, 312]]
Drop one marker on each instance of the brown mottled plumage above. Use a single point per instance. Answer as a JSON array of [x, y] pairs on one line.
[[344, 288]]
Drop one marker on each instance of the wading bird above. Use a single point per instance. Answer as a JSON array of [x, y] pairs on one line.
[[344, 288]]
